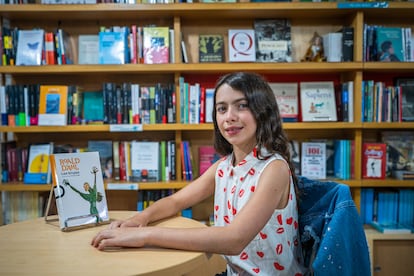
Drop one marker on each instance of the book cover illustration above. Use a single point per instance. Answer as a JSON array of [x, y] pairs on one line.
[[30, 47], [400, 151], [211, 48], [145, 161], [242, 47], [207, 156], [156, 46], [38, 165], [112, 47], [374, 160], [88, 49], [318, 101], [407, 100], [313, 160], [79, 189], [273, 40], [287, 100], [390, 46], [53, 105]]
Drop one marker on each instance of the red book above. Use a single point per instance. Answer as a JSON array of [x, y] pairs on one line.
[[202, 105], [374, 160], [122, 162], [50, 48]]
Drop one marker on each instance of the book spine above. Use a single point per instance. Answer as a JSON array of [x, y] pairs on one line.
[[347, 43]]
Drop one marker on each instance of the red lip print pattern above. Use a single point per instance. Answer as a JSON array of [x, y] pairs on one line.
[[234, 211], [244, 256], [280, 230], [256, 270], [260, 254], [226, 219], [233, 189], [279, 249], [242, 162], [241, 193], [252, 171], [263, 235], [220, 173], [289, 220], [278, 266], [279, 219], [252, 189]]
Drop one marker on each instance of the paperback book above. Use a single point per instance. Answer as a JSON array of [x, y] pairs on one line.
[[242, 47], [30, 47], [145, 161], [374, 159], [156, 46], [211, 48], [113, 47], [287, 99], [390, 44], [407, 99], [53, 105], [313, 160], [79, 190], [88, 49], [318, 101], [38, 165], [273, 40]]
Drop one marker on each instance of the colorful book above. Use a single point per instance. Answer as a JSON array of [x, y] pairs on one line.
[[242, 47], [156, 46], [273, 40], [79, 189], [30, 47], [93, 106], [390, 44], [104, 147], [400, 152], [317, 100], [112, 47], [38, 165], [145, 161], [207, 156], [211, 48], [53, 105], [313, 160], [374, 160], [287, 99], [407, 98]]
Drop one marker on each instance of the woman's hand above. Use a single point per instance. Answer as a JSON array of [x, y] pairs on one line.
[[138, 220], [120, 237]]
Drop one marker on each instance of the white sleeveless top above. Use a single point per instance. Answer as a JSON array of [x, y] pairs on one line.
[[276, 248]]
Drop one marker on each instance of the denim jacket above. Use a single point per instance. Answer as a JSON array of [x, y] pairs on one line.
[[332, 235]]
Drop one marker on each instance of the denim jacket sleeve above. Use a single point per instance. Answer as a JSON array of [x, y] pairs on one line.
[[332, 235]]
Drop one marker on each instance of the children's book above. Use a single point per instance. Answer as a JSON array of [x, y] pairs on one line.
[[317, 101], [79, 190], [53, 105], [273, 40], [38, 165], [145, 161], [287, 99], [242, 47], [374, 159], [211, 48], [156, 46], [30, 47]]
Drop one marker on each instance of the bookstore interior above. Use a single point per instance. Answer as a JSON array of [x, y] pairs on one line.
[[134, 81]]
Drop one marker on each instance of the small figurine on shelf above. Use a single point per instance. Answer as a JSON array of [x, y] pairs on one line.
[[315, 51]]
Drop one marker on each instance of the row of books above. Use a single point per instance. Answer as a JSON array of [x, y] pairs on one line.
[[125, 103], [385, 103], [388, 44], [388, 210], [20, 206]]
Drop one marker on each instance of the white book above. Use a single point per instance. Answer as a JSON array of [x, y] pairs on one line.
[[88, 49], [332, 45], [242, 46], [313, 160], [209, 104], [287, 98], [30, 47], [318, 101], [145, 161]]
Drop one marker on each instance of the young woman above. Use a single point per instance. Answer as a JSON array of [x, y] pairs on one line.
[[255, 208]]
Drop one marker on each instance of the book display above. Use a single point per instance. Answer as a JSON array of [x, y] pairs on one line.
[[282, 32]]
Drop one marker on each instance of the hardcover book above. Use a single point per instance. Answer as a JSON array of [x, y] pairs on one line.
[[287, 99], [79, 190], [88, 49], [407, 99], [390, 44], [38, 165], [242, 47], [273, 40], [313, 160], [211, 48], [30, 47], [156, 45], [53, 105], [145, 161], [317, 100], [374, 159], [400, 153]]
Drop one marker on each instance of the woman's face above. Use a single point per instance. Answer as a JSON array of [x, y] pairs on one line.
[[234, 118]]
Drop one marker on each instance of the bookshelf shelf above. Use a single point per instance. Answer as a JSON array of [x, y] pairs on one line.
[[191, 20]]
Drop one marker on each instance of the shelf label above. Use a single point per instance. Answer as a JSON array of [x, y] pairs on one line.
[[123, 186], [362, 5], [125, 128]]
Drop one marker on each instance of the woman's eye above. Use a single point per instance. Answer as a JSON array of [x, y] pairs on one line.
[[243, 106], [220, 109]]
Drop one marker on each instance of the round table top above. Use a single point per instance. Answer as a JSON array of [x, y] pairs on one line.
[[37, 247]]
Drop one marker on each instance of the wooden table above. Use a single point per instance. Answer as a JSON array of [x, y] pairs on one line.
[[35, 247]]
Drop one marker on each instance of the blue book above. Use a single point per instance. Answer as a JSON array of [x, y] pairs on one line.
[[113, 48]]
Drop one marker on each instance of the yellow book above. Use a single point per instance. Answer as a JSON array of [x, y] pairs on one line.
[[53, 105]]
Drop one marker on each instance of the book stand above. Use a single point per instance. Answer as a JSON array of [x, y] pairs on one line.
[[99, 220]]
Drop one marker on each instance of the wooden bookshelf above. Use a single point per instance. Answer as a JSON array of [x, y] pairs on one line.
[[191, 20]]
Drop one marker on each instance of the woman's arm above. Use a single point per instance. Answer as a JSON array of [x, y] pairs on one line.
[[272, 193]]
